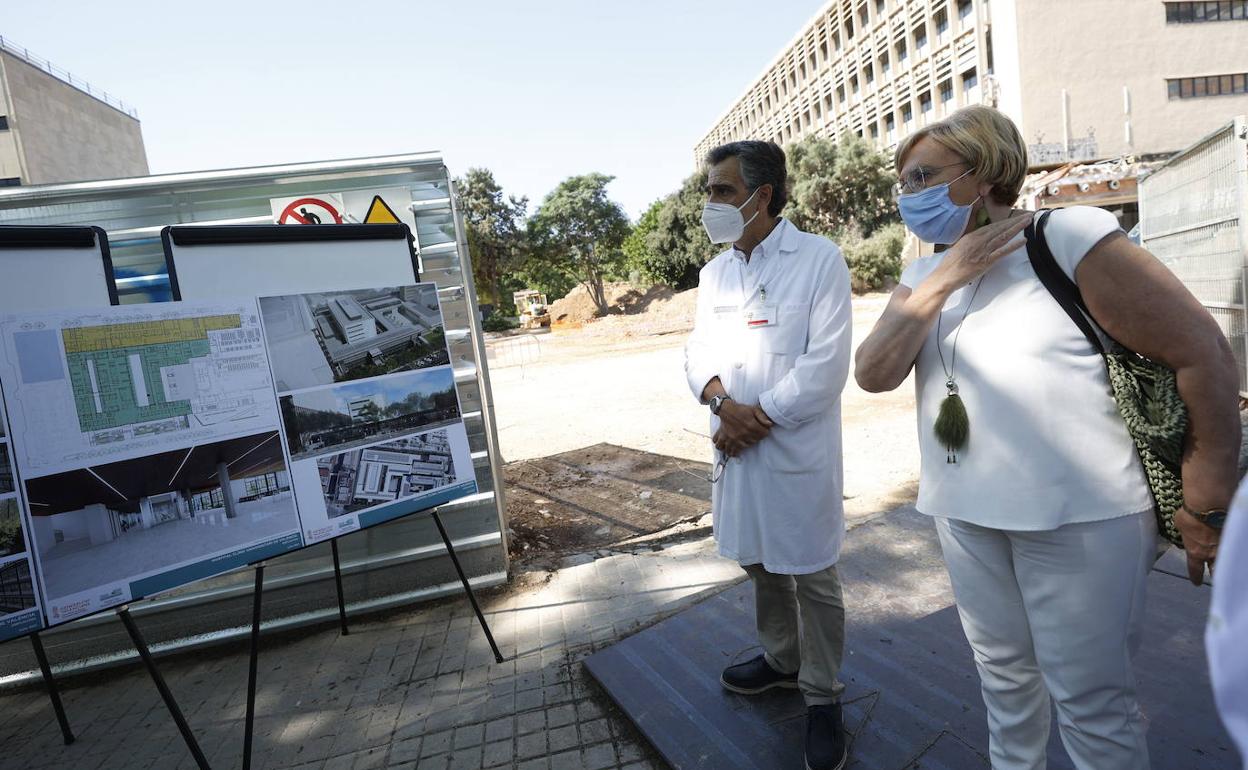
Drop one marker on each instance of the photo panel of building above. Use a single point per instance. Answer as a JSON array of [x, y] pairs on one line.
[[7, 484], [12, 541], [384, 473], [101, 528], [17, 590], [325, 338], [358, 413]]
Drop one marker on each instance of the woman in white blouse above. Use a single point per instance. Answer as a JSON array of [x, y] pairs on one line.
[[1044, 514]]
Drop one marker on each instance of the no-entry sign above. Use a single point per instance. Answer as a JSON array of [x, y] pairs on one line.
[[308, 210]]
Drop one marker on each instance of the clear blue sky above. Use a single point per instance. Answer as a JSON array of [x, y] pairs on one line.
[[536, 91]]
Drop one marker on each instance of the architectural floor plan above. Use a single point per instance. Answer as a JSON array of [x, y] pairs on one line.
[[138, 381]]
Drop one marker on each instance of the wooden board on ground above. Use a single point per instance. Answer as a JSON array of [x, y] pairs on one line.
[[912, 698], [602, 494]]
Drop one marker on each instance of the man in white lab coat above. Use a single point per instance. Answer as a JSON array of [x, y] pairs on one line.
[[769, 355]]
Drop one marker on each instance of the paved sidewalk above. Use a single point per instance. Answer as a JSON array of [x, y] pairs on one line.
[[407, 688]]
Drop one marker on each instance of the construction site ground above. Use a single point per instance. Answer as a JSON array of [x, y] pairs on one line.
[[620, 381]]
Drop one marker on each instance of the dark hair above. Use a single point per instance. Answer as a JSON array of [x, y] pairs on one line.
[[761, 163]]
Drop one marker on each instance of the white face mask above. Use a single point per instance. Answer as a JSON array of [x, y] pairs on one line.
[[723, 221]]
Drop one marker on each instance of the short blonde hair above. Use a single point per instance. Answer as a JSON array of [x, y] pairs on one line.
[[987, 140]]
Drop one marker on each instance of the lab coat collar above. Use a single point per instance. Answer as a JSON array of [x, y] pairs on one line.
[[782, 238]]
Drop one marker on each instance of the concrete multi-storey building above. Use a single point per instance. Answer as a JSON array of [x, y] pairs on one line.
[[1085, 80], [56, 127]]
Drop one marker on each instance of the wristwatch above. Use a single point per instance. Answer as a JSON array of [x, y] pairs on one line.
[[1214, 517], [717, 403]]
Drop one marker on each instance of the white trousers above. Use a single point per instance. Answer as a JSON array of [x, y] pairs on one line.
[[1056, 614]]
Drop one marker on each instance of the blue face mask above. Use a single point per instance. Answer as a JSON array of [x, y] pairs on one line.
[[933, 216]]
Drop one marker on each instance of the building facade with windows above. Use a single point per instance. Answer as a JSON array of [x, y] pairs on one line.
[[1084, 80], [56, 127]]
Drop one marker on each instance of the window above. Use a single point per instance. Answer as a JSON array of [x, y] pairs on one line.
[[12, 181], [849, 29], [901, 51], [853, 83], [879, 7], [946, 92], [875, 131], [884, 63], [4, 122], [1223, 10], [840, 94], [969, 80], [965, 7], [862, 16], [907, 114], [920, 38], [869, 71], [890, 125], [823, 53], [827, 103], [836, 41], [1212, 85], [925, 101], [942, 22]]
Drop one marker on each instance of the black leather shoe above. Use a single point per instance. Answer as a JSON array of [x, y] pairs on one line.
[[755, 676], [826, 747]]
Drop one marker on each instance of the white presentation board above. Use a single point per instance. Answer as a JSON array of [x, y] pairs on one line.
[[207, 262], [50, 267], [147, 439]]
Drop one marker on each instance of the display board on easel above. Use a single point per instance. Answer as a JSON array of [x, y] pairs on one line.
[[369, 408]]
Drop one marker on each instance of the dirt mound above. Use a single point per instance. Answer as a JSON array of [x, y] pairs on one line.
[[578, 307], [659, 311], [631, 311]]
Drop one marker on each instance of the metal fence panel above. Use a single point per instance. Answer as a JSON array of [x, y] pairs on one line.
[[1194, 218]]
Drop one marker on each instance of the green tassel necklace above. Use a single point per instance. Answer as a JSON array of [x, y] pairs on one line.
[[953, 427]]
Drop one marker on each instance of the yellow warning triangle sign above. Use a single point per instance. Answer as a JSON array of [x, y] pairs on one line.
[[380, 214]]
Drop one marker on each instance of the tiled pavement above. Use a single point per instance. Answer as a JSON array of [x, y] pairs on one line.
[[417, 688]]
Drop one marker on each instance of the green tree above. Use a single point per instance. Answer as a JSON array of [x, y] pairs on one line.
[[673, 246], [638, 258], [835, 187], [496, 236], [578, 231], [369, 412]]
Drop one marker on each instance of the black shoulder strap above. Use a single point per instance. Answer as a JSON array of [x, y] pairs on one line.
[[1063, 289]]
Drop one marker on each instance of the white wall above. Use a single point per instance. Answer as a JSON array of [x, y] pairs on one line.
[[1095, 48]]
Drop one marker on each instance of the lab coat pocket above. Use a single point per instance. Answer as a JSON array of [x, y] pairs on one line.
[[787, 337], [803, 449]]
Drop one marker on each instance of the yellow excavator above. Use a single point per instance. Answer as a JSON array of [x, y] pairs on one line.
[[531, 305]]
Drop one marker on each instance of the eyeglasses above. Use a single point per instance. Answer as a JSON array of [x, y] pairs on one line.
[[920, 177], [717, 471]]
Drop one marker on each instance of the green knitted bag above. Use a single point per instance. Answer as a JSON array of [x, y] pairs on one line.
[[1146, 392]]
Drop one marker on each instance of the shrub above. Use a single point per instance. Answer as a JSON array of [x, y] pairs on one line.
[[874, 261], [497, 322]]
